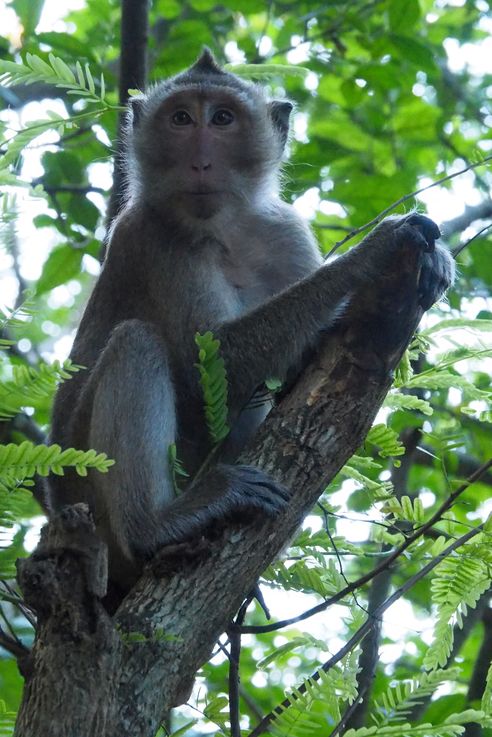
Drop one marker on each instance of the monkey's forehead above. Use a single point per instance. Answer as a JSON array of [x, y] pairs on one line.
[[248, 96]]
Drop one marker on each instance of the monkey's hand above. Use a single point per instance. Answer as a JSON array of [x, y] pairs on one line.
[[437, 268], [227, 495], [401, 254]]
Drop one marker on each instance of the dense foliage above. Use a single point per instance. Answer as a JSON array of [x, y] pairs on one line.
[[396, 95]]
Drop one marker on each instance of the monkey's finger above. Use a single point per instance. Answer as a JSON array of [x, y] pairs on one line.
[[426, 227]]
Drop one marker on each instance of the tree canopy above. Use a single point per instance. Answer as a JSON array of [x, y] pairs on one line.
[[391, 97]]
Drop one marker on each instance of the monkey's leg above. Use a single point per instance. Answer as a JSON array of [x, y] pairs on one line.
[[132, 418], [133, 421]]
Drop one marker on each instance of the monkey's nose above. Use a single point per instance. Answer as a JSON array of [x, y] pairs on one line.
[[201, 166]]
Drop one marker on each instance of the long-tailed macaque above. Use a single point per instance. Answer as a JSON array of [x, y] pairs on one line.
[[203, 243]]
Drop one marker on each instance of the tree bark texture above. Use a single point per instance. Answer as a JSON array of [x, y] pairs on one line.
[[96, 675]]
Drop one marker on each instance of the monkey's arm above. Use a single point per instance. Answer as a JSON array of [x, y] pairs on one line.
[[268, 340]]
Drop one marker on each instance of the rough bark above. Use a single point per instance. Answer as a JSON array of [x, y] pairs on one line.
[[96, 675]]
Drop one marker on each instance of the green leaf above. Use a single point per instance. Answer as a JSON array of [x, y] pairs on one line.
[[29, 12], [262, 71], [213, 380], [63, 263], [403, 15], [387, 440]]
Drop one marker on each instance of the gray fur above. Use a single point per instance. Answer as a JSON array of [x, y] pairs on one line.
[[239, 262]]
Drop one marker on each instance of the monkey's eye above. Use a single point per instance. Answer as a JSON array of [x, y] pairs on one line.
[[181, 117], [222, 117]]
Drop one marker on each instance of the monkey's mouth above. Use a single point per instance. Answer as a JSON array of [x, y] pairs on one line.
[[203, 192]]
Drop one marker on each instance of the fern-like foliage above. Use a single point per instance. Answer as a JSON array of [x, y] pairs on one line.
[[451, 727], [176, 467], [316, 710], [354, 469], [459, 582], [404, 370], [281, 653], [406, 509], [213, 381], [400, 698], [14, 319], [56, 72], [386, 439], [7, 721], [397, 400], [16, 144], [267, 71], [487, 694], [319, 575], [19, 463], [29, 385], [447, 380], [474, 326]]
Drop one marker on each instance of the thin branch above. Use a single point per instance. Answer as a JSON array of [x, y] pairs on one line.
[[419, 532], [70, 188], [13, 597], [456, 251], [482, 211], [13, 646], [400, 201], [367, 626], [347, 715], [234, 658]]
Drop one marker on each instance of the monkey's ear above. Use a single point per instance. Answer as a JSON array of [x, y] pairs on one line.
[[136, 106], [280, 111]]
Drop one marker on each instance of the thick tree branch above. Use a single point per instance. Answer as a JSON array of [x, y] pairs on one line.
[[482, 211]]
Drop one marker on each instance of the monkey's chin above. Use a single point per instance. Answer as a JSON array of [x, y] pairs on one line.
[[202, 205]]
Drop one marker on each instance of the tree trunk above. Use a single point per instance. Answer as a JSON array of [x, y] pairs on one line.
[[118, 676]]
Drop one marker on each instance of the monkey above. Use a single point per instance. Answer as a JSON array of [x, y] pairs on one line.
[[204, 242]]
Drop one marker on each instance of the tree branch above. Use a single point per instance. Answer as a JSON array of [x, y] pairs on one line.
[[132, 75]]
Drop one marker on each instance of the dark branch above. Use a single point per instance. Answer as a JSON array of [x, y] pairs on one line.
[[132, 75]]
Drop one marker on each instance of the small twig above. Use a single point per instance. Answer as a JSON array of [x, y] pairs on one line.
[[13, 597], [327, 226], [456, 251], [234, 658], [324, 511], [258, 595], [337, 554], [419, 532], [400, 201], [348, 713], [70, 188]]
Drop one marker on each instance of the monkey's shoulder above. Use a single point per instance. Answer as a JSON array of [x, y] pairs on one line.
[[282, 245]]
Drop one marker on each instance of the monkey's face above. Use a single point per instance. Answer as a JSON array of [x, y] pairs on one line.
[[207, 148]]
